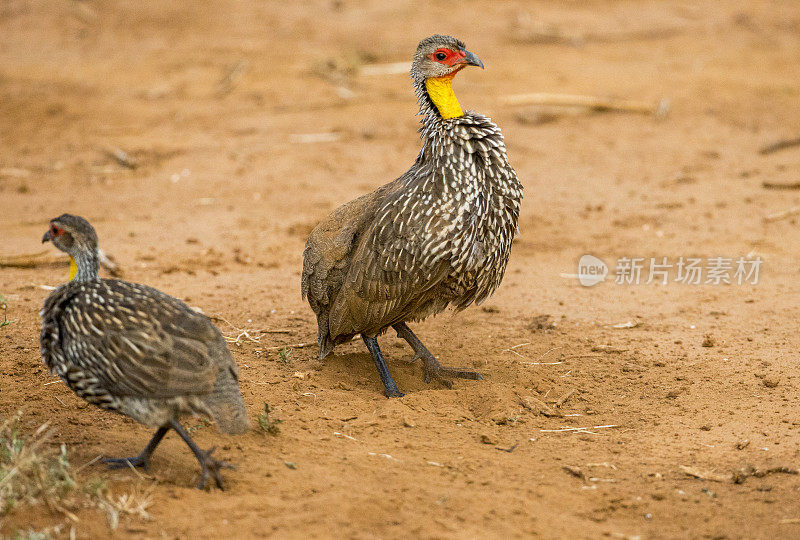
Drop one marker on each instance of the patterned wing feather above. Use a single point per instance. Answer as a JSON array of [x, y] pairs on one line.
[[398, 258], [137, 341]]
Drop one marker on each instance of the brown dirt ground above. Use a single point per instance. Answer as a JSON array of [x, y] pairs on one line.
[[219, 207]]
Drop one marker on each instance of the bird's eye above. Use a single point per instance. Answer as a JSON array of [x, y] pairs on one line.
[[55, 231], [440, 56]]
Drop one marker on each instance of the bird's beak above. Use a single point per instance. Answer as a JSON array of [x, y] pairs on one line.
[[470, 59], [47, 237]]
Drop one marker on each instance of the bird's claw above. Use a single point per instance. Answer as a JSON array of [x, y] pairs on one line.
[[435, 371], [125, 463], [211, 467]]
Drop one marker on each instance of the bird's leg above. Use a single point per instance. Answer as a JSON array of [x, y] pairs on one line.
[[143, 459], [209, 465], [433, 369], [391, 389]]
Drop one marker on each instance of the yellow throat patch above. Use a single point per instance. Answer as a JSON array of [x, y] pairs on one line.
[[441, 93], [73, 268]]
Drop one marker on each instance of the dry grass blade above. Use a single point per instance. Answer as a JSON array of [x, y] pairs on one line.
[[240, 334], [578, 429], [538, 361], [128, 504], [30, 472]]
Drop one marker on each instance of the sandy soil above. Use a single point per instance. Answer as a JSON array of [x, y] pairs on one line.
[[210, 101]]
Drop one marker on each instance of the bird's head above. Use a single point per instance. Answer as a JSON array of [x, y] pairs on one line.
[[74, 236], [441, 56], [436, 62]]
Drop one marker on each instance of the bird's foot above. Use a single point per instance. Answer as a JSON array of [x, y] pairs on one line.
[[436, 371], [127, 462], [211, 467], [393, 392]]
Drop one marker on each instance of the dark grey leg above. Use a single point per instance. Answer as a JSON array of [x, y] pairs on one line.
[[391, 389], [143, 459], [433, 369], [208, 464]]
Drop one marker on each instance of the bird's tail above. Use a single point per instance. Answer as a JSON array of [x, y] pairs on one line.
[[227, 405], [325, 342]]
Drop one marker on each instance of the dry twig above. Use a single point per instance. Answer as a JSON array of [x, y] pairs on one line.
[[779, 145], [595, 103], [30, 260], [121, 157], [706, 475], [228, 82], [780, 185], [48, 258], [793, 211], [563, 399]]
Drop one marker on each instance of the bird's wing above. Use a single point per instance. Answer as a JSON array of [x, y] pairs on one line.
[[138, 341], [406, 250], [330, 246]]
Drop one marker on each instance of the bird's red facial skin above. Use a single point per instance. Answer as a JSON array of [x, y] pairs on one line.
[[55, 231], [447, 57]]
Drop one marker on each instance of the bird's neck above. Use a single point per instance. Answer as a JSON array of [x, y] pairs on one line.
[[436, 98], [84, 266], [440, 90]]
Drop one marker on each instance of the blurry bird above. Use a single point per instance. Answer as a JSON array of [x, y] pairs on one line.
[[136, 351], [439, 235]]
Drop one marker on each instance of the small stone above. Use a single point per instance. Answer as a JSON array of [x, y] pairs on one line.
[[574, 471], [487, 439], [744, 443], [708, 341], [771, 381], [408, 422]]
